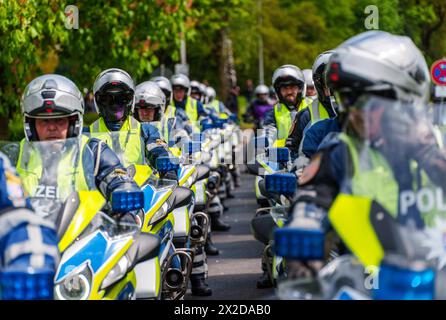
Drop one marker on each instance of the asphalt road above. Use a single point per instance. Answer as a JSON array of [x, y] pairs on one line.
[[233, 273]]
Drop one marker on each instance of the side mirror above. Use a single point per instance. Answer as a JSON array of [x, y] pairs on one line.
[[165, 164], [279, 155], [127, 200], [147, 246], [281, 183], [203, 172], [180, 197]]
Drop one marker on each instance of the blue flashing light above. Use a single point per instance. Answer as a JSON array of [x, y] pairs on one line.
[[301, 244], [281, 183], [125, 201], [22, 285], [165, 164], [280, 155], [397, 283]]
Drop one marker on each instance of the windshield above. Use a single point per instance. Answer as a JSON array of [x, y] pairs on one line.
[[395, 156], [160, 184], [51, 171]]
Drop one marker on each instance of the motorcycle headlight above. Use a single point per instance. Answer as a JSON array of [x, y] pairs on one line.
[[76, 286], [117, 272], [159, 214]]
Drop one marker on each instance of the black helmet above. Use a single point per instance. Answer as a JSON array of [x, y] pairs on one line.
[[114, 94], [320, 84]]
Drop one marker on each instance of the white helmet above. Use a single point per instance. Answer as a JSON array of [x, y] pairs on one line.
[[211, 94], [381, 63], [308, 75], [261, 89], [180, 80], [286, 75], [149, 95], [52, 96], [165, 85]]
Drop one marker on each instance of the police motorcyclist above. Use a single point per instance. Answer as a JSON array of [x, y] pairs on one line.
[[259, 106], [169, 112], [319, 109], [215, 107], [150, 108], [182, 100], [53, 108], [150, 105], [114, 92], [289, 84], [360, 74], [165, 86], [28, 243], [196, 91]]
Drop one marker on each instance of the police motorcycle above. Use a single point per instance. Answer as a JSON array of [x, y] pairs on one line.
[[392, 234], [220, 140], [193, 174], [278, 185], [100, 242], [161, 198]]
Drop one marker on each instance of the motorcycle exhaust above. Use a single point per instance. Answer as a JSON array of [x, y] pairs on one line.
[[199, 231], [175, 280]]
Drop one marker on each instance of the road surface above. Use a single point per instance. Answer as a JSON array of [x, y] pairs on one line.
[[233, 273]]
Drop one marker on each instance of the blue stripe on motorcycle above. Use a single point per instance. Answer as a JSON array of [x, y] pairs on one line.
[[151, 196], [126, 292], [97, 251], [162, 232]]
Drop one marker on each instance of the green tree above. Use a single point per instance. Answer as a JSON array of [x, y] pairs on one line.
[[126, 34], [28, 32]]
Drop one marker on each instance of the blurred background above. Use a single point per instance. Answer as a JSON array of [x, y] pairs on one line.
[[232, 45]]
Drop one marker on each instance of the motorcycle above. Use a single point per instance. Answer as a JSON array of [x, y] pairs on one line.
[[162, 198], [100, 243], [278, 186], [394, 232]]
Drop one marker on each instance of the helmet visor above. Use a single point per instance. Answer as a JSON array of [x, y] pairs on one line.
[[114, 106]]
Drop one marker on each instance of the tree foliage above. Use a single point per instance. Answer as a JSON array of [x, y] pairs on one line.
[[139, 35]]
